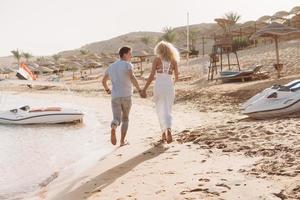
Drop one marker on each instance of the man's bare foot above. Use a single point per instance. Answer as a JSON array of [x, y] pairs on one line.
[[113, 138], [123, 143], [163, 137], [169, 136]]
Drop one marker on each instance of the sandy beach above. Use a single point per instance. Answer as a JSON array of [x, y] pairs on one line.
[[217, 152]]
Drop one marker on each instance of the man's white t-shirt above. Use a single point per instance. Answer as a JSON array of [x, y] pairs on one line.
[[120, 79]]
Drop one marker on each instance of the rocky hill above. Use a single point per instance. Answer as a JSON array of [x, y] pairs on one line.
[[134, 40]]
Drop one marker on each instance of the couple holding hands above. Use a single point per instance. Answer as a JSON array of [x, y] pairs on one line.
[[164, 66]]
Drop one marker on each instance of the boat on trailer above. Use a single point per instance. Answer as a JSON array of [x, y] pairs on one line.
[[278, 100], [49, 115]]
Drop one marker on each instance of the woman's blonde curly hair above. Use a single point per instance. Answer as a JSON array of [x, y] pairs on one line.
[[167, 51]]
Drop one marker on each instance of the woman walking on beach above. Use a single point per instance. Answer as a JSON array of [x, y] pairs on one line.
[[164, 65]]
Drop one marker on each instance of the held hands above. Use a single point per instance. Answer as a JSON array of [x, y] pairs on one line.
[[108, 91], [143, 93]]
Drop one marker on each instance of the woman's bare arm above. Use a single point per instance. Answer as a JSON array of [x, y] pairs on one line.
[[176, 73], [152, 74]]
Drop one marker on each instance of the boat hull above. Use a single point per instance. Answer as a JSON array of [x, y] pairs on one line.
[[48, 117], [264, 114], [276, 101]]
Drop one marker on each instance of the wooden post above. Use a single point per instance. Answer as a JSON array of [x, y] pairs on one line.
[[277, 51], [255, 42], [228, 58], [221, 58], [203, 46]]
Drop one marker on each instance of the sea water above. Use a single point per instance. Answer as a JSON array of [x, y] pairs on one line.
[[32, 155]]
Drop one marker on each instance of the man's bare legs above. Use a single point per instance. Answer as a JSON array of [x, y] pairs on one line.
[[113, 138], [163, 136], [169, 136], [124, 129], [126, 106]]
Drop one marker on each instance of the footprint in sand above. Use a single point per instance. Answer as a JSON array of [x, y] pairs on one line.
[[169, 172], [179, 183], [159, 191], [223, 185], [204, 179]]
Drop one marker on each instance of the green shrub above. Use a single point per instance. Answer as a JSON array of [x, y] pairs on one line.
[[241, 43]]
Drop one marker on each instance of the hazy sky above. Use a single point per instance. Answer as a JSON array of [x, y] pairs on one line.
[[45, 27]]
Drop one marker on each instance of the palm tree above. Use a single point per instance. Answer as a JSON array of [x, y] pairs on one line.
[[233, 17], [62, 68], [41, 59], [84, 52], [146, 40], [17, 55], [56, 57], [27, 56], [169, 34]]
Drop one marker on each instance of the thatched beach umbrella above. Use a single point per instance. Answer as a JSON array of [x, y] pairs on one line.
[[7, 70], [295, 21], [265, 19], [295, 10], [139, 53], [45, 63], [34, 65], [280, 14], [280, 17], [93, 56], [107, 59], [43, 69], [72, 58], [92, 63], [275, 30]]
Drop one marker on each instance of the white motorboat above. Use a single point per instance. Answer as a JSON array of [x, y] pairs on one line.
[[275, 101], [50, 115]]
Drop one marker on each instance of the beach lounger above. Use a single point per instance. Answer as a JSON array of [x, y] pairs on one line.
[[241, 76]]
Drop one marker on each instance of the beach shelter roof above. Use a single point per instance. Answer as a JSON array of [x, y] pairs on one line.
[[53, 68], [8, 70], [275, 30], [295, 21], [105, 58], [75, 64], [91, 63], [46, 62], [139, 53], [265, 18], [72, 58], [295, 10], [4, 71], [34, 65], [93, 56], [280, 17], [248, 23], [281, 14], [251, 26], [44, 69]]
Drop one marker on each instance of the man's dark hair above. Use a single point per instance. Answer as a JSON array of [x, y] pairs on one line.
[[123, 51]]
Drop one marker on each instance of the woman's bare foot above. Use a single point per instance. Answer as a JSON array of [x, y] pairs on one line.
[[163, 137], [113, 138], [169, 136], [123, 143]]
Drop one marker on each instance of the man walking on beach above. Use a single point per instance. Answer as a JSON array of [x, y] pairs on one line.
[[121, 75]]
